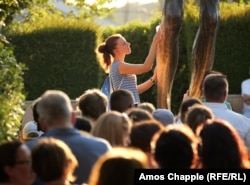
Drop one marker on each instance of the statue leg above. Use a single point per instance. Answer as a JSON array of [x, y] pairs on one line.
[[168, 51], [204, 45]]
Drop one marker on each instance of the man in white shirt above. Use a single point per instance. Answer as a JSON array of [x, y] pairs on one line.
[[215, 90], [245, 91]]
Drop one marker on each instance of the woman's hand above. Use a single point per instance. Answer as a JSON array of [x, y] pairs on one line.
[[157, 36], [154, 77]]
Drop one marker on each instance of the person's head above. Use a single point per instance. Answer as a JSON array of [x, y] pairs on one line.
[[147, 106], [121, 100], [215, 88], [30, 131], [15, 164], [113, 126], [114, 45], [196, 115], [137, 114], [142, 133], [186, 105], [82, 124], [117, 166], [52, 160], [221, 146], [209, 72], [92, 103], [175, 147], [164, 116], [55, 109]]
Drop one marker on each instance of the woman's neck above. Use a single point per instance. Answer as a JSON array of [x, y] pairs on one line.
[[119, 58]]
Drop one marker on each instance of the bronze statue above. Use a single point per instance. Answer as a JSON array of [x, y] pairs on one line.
[[168, 52]]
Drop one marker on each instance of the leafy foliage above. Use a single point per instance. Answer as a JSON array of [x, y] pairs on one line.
[[59, 54], [97, 8], [11, 94]]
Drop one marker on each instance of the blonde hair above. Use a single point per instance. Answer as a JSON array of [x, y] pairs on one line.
[[117, 166], [111, 126]]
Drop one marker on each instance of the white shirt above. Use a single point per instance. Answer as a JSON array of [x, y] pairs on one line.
[[245, 89], [240, 122]]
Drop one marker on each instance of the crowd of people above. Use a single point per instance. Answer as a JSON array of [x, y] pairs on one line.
[[98, 145], [56, 148]]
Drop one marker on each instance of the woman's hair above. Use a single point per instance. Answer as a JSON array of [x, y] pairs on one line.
[[137, 114], [143, 132], [52, 158], [197, 115], [8, 155], [112, 126], [117, 166], [147, 106], [106, 49], [221, 146], [186, 105], [175, 147]]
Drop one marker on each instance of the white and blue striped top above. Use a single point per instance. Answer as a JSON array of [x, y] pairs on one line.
[[124, 81]]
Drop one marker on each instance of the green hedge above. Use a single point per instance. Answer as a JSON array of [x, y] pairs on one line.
[[59, 52], [11, 94]]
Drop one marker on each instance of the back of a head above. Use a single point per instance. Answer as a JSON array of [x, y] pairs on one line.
[[175, 147], [121, 100], [142, 133], [185, 106], [137, 114], [222, 146], [215, 88], [196, 115], [147, 106], [93, 103], [82, 124], [52, 159], [112, 126], [165, 116], [117, 167], [54, 107]]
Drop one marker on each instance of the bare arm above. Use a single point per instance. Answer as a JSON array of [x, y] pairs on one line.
[[147, 84], [127, 68]]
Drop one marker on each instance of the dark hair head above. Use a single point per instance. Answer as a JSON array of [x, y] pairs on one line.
[[121, 100], [92, 103], [186, 104], [215, 87], [137, 114], [142, 134], [175, 147], [107, 49], [222, 146], [197, 115], [8, 154]]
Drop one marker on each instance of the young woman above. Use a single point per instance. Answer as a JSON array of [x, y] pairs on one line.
[[123, 74]]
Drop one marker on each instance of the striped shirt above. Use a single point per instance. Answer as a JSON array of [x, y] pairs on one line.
[[124, 81]]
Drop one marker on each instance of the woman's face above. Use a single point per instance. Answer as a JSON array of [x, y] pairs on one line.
[[21, 172], [122, 47]]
